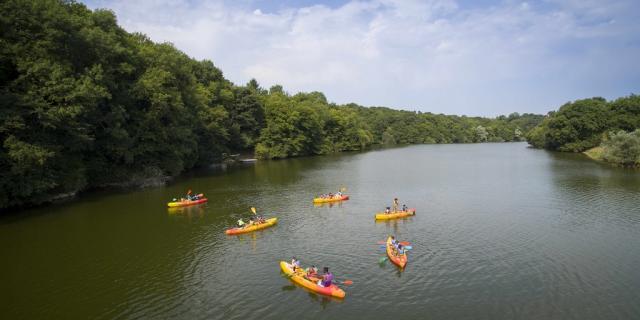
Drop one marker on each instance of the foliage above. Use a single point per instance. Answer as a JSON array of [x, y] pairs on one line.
[[86, 104], [622, 148], [582, 124]]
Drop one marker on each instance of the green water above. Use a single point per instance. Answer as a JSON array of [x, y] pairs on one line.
[[501, 232]]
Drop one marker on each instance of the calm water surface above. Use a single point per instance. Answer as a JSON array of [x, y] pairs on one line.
[[501, 232]]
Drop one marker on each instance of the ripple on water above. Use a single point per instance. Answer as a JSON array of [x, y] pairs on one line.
[[493, 239]]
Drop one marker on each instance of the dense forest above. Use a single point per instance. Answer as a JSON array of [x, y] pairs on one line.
[[584, 124], [86, 104]]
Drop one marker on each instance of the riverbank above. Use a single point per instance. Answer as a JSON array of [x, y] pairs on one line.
[[595, 153], [156, 178], [598, 154]]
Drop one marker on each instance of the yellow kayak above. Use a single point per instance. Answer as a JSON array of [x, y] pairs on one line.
[[266, 224], [332, 199], [395, 215], [299, 278]]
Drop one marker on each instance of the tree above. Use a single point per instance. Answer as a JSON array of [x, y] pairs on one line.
[[481, 134], [623, 148], [580, 125]]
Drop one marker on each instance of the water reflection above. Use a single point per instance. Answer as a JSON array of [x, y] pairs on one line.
[[329, 204], [189, 211]]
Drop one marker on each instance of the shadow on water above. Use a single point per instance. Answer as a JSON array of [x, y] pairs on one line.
[[324, 301], [290, 287]]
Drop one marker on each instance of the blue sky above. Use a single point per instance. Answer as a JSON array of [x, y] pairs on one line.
[[443, 56]]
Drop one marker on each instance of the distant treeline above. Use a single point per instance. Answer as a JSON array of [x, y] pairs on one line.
[[86, 104], [584, 124]]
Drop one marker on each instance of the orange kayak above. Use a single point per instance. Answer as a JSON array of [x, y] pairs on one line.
[[187, 202], [395, 215], [400, 260], [251, 228], [311, 284]]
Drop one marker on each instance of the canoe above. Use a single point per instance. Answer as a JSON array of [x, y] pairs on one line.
[[266, 224], [400, 260], [325, 200], [395, 215], [187, 202], [332, 291]]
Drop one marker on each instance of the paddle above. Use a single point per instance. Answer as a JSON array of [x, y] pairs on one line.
[[383, 259], [253, 209]]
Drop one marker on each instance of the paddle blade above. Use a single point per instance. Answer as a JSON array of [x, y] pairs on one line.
[[382, 260], [343, 189], [347, 282], [405, 243], [408, 247], [253, 210], [382, 242]]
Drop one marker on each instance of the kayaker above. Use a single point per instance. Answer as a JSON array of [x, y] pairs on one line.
[[387, 210], [189, 194], [400, 250], [327, 278], [394, 242], [312, 272], [395, 204], [404, 207], [240, 223], [295, 264]]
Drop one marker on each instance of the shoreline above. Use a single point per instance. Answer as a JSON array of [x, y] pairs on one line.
[[597, 154], [163, 180]]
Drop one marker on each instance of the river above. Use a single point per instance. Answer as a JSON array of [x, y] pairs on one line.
[[502, 231]]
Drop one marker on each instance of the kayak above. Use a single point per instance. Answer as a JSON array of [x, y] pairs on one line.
[[325, 200], [266, 224], [333, 290], [400, 260], [187, 202], [395, 215]]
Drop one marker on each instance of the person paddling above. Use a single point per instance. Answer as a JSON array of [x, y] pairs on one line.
[[240, 223], [395, 205], [295, 264], [312, 272], [327, 278], [400, 250]]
